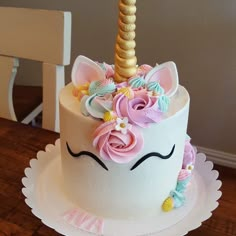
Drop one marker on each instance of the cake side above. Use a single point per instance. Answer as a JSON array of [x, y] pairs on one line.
[[129, 189]]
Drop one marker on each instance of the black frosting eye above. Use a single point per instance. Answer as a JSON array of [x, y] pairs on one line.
[[152, 154], [86, 153]]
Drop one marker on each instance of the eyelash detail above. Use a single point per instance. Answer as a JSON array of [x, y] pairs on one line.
[[94, 157], [151, 154]]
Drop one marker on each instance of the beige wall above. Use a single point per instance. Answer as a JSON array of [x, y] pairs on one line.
[[200, 36]]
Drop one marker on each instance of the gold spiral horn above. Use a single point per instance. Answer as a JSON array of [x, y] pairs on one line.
[[125, 59]]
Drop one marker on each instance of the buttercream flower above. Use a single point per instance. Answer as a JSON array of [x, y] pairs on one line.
[[155, 87], [189, 167], [115, 145], [122, 125], [144, 69], [81, 90], [102, 87], [96, 106], [109, 70], [109, 116], [137, 82], [163, 103], [140, 110], [189, 155]]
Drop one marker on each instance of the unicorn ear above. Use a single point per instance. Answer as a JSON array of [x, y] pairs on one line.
[[85, 71], [166, 75]]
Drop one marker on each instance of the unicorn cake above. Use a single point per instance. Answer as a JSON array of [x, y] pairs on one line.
[[124, 145], [125, 153]]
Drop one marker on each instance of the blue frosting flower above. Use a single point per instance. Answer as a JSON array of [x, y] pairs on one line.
[[137, 82], [102, 87], [178, 197], [163, 103], [182, 185], [155, 87]]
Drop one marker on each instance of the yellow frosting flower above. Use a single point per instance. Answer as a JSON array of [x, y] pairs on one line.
[[109, 116], [127, 91], [168, 204], [81, 90], [84, 88]]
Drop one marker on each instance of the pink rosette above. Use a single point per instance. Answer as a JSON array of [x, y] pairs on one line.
[[183, 175], [189, 154], [140, 110], [109, 71], [116, 146], [143, 69]]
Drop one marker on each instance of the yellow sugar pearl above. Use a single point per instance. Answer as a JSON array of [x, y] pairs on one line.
[[190, 168], [168, 204], [109, 116], [122, 125]]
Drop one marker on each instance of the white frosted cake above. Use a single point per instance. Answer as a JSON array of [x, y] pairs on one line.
[[124, 149], [125, 153]]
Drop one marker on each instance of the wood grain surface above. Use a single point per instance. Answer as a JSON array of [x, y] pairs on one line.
[[19, 143]]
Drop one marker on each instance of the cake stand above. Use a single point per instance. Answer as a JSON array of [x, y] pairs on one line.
[[45, 196]]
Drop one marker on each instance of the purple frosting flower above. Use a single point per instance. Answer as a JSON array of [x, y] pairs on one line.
[[141, 110], [189, 155]]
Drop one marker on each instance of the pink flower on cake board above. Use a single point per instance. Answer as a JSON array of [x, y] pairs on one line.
[[118, 144], [141, 109]]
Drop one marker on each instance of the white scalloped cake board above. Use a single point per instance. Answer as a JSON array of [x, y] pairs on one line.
[[45, 196]]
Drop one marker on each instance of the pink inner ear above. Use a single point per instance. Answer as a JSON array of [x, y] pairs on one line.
[[164, 77], [85, 74]]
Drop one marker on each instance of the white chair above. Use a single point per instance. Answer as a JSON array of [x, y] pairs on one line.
[[39, 35]]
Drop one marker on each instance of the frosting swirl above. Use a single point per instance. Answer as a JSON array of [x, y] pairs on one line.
[[189, 155], [101, 87], [137, 82], [163, 103], [117, 145], [155, 87], [140, 110], [96, 106]]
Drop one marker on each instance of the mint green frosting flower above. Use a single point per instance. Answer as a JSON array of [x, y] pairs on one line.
[[155, 87], [137, 82], [163, 103], [179, 198], [102, 87]]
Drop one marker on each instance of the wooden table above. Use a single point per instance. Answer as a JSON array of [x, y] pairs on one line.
[[19, 143]]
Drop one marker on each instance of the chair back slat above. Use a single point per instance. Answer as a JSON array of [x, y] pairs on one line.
[[39, 35], [33, 36]]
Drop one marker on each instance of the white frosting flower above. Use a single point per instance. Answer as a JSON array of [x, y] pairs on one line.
[[189, 167], [96, 106], [122, 125]]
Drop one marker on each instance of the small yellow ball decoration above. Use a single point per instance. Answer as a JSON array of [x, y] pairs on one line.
[[168, 204], [109, 116]]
